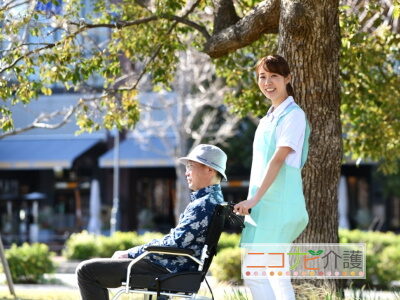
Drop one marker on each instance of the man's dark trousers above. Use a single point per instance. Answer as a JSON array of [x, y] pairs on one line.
[[96, 275]]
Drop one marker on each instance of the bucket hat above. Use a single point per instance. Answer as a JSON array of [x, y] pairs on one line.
[[208, 155]]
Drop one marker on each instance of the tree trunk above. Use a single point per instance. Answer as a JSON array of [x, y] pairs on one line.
[[309, 39], [182, 189]]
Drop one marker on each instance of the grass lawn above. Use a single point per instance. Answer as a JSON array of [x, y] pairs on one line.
[[29, 294], [227, 293], [221, 292], [52, 295]]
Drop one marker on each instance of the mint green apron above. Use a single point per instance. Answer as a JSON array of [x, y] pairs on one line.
[[281, 214]]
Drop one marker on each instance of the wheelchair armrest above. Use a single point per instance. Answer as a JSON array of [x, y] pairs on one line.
[[169, 250], [160, 249]]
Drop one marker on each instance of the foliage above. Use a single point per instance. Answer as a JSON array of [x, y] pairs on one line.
[[379, 272], [107, 245], [28, 263], [382, 252], [228, 240], [389, 258], [370, 76], [108, 52], [236, 294], [237, 69], [149, 236], [81, 246], [85, 245], [370, 72], [382, 255], [43, 50], [226, 265]]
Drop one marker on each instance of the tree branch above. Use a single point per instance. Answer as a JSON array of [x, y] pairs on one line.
[[37, 50], [158, 49], [85, 26], [25, 45], [224, 15], [123, 24], [264, 18], [8, 6], [39, 122]]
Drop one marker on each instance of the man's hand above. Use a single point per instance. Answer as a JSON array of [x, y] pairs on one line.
[[120, 254]]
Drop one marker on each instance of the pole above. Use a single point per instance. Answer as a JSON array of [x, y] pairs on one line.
[[7, 270], [115, 207]]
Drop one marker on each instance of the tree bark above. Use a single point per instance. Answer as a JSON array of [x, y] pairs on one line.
[[262, 19], [224, 15], [309, 38]]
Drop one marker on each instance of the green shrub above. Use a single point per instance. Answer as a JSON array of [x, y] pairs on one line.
[[107, 245], [376, 245], [28, 263], [226, 266], [228, 240], [149, 236], [388, 265], [81, 246], [84, 245]]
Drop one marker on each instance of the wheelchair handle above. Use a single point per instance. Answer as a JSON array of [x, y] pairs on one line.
[[232, 205]]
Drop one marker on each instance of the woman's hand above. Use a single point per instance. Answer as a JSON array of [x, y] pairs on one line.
[[242, 208]]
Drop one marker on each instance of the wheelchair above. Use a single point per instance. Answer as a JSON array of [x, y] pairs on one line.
[[180, 284]]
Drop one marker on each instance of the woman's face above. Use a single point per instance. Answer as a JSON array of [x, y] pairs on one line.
[[273, 85]]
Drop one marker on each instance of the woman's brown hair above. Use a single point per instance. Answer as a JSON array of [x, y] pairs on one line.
[[276, 64]]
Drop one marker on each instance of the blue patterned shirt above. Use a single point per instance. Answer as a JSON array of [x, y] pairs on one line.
[[190, 232]]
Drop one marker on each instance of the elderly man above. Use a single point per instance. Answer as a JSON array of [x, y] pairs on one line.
[[205, 168]]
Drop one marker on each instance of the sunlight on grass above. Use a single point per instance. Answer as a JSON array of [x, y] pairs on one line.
[[53, 295], [221, 291], [28, 294], [227, 292]]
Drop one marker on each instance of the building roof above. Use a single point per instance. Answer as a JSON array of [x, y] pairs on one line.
[[42, 153], [152, 152]]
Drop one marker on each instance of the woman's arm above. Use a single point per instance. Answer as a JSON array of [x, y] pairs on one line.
[[273, 168]]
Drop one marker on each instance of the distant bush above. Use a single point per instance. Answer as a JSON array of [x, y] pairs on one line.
[[81, 246], [380, 248], [228, 240], [226, 265], [388, 265], [28, 263], [84, 245], [382, 257], [382, 252], [149, 236], [107, 245]]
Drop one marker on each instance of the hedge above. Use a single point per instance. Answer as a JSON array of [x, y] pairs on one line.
[[84, 245], [383, 252], [381, 249], [382, 258], [28, 263], [226, 265]]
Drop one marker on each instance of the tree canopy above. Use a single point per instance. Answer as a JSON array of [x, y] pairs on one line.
[[108, 49]]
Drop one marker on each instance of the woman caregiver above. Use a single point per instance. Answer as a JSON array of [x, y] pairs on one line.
[[280, 149]]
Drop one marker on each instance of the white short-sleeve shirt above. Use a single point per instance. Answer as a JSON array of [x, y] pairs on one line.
[[290, 131]]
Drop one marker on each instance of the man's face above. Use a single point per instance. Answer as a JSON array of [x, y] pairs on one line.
[[198, 175]]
